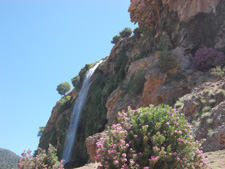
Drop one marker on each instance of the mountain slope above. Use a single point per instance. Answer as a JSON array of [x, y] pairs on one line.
[[8, 159]]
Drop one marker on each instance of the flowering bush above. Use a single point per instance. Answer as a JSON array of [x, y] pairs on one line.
[[150, 138], [43, 160], [207, 58]]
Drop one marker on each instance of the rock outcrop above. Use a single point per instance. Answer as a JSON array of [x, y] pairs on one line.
[[91, 144], [149, 11], [204, 108]]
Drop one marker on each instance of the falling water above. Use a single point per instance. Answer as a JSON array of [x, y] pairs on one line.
[[71, 134]]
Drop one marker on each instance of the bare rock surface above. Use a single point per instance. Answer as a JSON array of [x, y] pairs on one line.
[[204, 108], [149, 11]]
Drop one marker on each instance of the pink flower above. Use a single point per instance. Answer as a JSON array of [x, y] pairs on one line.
[[135, 136], [115, 162], [132, 161], [180, 132], [167, 123], [175, 131]]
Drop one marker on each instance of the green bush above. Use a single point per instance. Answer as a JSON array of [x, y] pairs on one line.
[[126, 33], [63, 88], [64, 103], [75, 81], [218, 71], [150, 138], [136, 83], [146, 32], [164, 43], [167, 60], [116, 39], [41, 131], [137, 32]]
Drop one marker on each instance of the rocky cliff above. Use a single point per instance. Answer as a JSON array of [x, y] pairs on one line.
[[154, 67]]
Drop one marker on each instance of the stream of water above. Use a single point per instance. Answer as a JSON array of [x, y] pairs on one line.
[[74, 120]]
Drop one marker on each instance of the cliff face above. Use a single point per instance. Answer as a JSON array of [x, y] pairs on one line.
[[153, 68], [190, 24], [149, 11]]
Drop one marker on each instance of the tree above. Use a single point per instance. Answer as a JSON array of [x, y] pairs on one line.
[[41, 130], [116, 39], [126, 32], [63, 88]]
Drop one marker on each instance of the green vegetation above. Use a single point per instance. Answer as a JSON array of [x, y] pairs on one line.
[[178, 104], [8, 159], [40, 132], [167, 60], [146, 32], [218, 71], [42, 160], [150, 138], [206, 109], [164, 43], [203, 100], [116, 39], [138, 32], [126, 33], [136, 83], [211, 132], [64, 103], [77, 81], [63, 88]]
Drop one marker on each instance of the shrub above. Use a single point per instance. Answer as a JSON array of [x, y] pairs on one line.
[[41, 131], [126, 33], [75, 81], [207, 58], [64, 103], [43, 160], [218, 71], [63, 88], [136, 83], [164, 42], [137, 32], [150, 138], [116, 39], [167, 60]]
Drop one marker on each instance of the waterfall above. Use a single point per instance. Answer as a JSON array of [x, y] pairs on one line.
[[74, 120]]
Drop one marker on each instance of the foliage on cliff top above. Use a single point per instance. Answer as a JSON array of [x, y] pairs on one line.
[[63, 88], [77, 81], [150, 138], [126, 32]]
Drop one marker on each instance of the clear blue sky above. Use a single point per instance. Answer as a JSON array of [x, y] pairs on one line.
[[44, 43]]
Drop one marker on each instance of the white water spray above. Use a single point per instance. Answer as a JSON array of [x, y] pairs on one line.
[[74, 120]]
